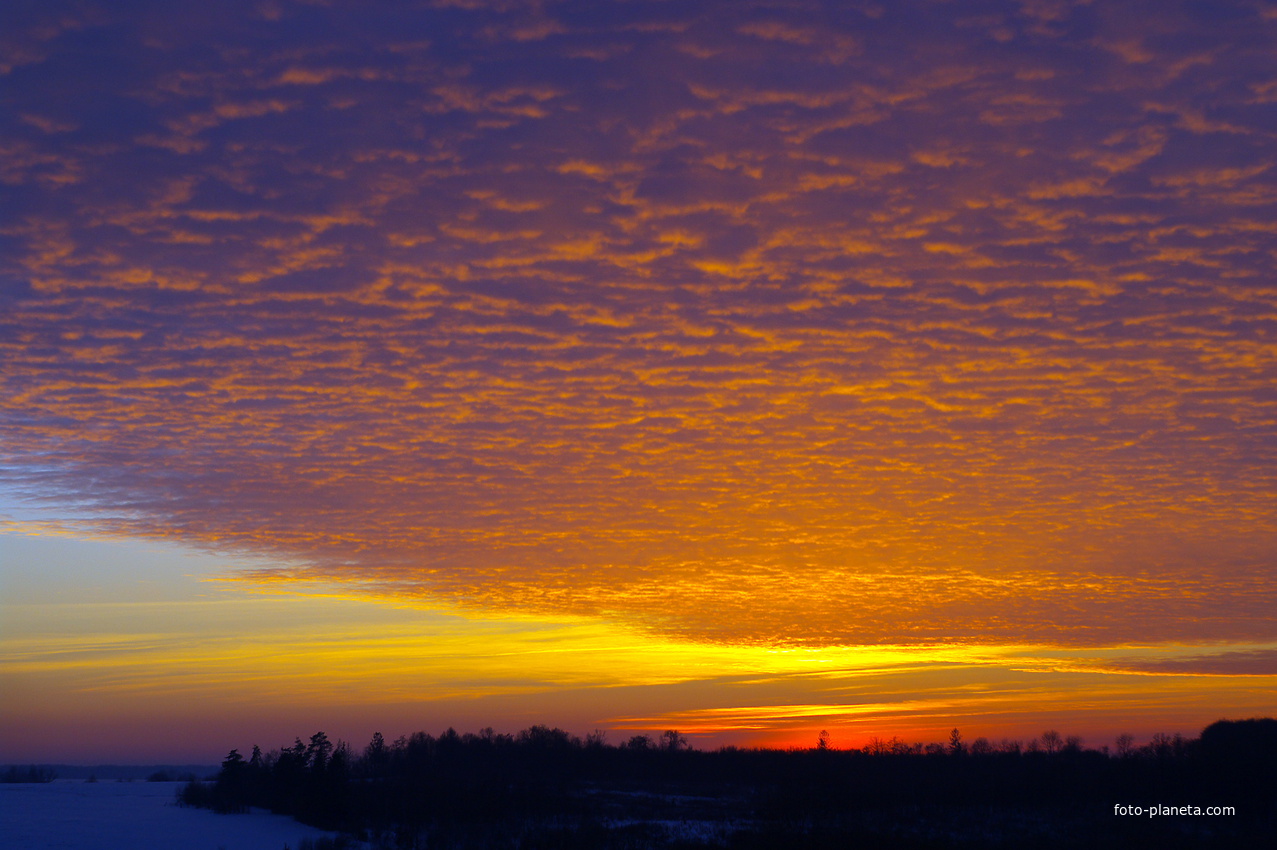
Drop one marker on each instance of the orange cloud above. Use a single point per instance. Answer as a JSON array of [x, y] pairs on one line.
[[961, 337]]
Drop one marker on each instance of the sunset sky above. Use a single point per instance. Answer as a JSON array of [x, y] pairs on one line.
[[742, 368]]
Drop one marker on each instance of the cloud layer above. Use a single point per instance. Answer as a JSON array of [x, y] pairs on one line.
[[818, 323]]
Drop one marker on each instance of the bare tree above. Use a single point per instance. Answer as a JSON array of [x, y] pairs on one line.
[[638, 742], [672, 741]]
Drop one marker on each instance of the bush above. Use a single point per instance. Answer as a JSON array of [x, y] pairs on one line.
[[197, 794]]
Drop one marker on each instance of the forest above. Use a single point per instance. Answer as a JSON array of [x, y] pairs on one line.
[[545, 788]]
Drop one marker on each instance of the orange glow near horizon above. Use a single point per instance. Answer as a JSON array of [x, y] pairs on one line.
[[246, 663]]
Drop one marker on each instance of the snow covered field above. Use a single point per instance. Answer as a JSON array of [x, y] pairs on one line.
[[76, 815]]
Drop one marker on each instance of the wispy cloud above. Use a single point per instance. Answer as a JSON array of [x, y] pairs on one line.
[[836, 325]]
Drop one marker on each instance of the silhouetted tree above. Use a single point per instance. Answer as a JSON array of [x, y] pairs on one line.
[[317, 752], [377, 754], [543, 737], [1254, 739], [638, 742], [548, 789], [30, 774], [229, 792]]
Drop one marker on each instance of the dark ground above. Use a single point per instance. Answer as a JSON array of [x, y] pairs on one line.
[[546, 789]]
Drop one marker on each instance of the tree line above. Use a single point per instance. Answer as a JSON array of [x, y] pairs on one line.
[[30, 773], [548, 787]]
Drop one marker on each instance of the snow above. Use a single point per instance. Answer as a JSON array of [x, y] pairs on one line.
[[694, 831], [72, 815]]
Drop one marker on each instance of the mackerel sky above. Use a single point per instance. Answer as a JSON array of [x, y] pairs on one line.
[[758, 324]]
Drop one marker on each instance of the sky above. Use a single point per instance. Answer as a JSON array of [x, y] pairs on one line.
[[744, 368]]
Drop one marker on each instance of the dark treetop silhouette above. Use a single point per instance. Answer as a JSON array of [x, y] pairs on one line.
[[546, 788]]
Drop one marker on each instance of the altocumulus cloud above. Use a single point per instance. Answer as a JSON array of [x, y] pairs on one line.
[[814, 323]]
